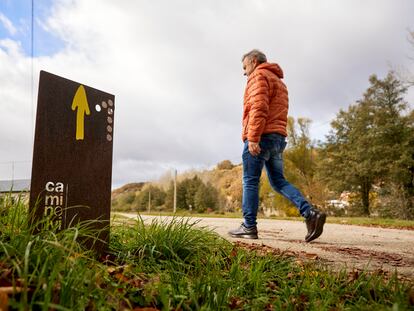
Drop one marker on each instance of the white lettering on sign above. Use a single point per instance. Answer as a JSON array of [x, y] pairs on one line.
[[54, 200], [52, 187]]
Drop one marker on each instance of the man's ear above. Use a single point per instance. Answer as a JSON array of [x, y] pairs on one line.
[[255, 63]]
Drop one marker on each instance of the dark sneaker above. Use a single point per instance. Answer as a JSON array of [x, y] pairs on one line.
[[244, 232], [314, 224], [309, 229]]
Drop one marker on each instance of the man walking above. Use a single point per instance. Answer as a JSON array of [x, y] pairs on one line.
[[264, 134]]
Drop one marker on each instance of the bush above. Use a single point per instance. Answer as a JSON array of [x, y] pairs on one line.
[[225, 165]]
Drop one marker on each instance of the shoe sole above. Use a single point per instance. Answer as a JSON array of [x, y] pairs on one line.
[[319, 226], [244, 236]]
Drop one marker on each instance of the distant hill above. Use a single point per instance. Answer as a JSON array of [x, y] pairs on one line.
[[127, 189]]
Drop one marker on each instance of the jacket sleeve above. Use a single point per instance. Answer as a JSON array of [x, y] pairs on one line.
[[259, 107]]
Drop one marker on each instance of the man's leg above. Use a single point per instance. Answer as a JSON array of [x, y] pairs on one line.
[[314, 219], [252, 169], [274, 169]]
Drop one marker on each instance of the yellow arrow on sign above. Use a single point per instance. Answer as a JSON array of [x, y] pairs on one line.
[[81, 103]]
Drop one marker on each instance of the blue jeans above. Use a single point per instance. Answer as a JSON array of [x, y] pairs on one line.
[[272, 146]]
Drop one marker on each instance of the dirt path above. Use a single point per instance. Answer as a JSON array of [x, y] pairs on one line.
[[340, 245]]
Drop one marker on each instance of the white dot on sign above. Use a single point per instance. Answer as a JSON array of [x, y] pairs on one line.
[[104, 105], [110, 102], [108, 137], [110, 111], [98, 108], [109, 128], [109, 120]]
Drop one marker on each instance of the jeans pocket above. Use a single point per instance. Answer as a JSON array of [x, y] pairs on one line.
[[283, 144], [264, 152], [277, 147], [245, 148]]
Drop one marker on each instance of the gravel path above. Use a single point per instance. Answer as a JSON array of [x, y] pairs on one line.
[[340, 245]]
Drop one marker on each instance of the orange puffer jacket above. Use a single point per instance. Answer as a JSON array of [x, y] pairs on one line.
[[266, 103]]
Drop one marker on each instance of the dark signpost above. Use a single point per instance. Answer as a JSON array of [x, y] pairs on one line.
[[72, 157]]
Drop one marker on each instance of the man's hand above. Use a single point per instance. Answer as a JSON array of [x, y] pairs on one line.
[[254, 148]]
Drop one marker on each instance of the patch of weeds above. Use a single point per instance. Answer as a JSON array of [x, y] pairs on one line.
[[174, 265], [233, 278], [48, 269]]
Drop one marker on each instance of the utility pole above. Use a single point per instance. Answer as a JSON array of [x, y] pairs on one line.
[[175, 191], [12, 172], [149, 202]]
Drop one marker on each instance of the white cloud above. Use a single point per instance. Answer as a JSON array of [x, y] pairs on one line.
[[7, 24], [175, 69]]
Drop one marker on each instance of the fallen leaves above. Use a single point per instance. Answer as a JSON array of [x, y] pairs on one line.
[[123, 275], [311, 256], [272, 285], [353, 276], [5, 292], [235, 303], [4, 302], [10, 290], [393, 259], [411, 297], [264, 250]]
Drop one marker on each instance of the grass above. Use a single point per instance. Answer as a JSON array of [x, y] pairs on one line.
[[363, 221], [359, 221], [183, 213], [173, 265], [374, 221]]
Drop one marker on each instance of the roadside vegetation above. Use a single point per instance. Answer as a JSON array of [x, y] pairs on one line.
[[380, 222], [173, 266]]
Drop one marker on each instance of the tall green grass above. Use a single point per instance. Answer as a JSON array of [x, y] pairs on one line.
[[189, 268], [48, 269], [173, 265], [361, 221], [177, 240]]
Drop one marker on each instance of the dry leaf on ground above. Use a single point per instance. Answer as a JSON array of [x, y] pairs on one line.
[[4, 302]]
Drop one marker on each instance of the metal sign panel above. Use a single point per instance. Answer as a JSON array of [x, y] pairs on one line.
[[72, 156]]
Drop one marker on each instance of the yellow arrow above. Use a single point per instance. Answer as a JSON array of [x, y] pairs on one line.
[[81, 103]]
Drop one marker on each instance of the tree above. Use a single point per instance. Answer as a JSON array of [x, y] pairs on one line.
[[158, 197], [186, 191], [192, 185], [205, 198], [367, 140], [300, 162], [300, 151], [169, 200]]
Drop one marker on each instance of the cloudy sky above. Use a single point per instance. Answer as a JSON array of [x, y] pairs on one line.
[[175, 69]]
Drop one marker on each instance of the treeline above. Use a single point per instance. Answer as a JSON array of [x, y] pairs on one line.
[[193, 195], [368, 155]]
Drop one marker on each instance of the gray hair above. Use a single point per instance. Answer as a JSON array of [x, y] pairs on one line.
[[257, 55]]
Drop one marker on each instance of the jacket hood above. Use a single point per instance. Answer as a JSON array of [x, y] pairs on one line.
[[275, 68]]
